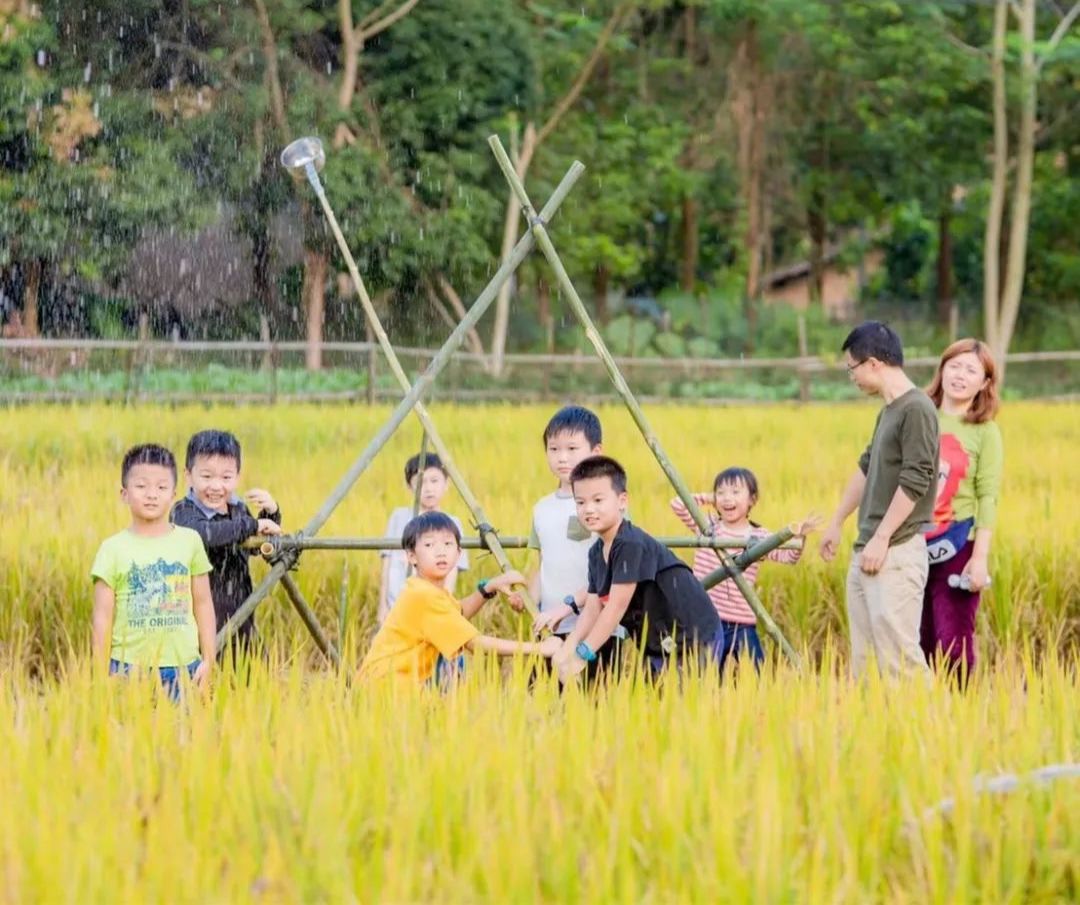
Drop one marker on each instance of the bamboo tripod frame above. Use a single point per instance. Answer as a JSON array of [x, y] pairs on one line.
[[283, 553]]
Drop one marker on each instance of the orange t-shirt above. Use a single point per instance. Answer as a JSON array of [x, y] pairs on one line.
[[425, 621]]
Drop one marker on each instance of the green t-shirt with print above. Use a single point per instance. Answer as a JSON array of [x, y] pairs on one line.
[[154, 620], [970, 464]]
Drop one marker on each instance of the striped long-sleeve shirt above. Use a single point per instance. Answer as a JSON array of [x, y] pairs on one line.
[[729, 602]]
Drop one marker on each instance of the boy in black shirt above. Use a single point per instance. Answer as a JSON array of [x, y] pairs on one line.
[[222, 520], [633, 579]]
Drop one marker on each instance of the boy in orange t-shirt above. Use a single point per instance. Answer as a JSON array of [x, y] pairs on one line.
[[427, 630]]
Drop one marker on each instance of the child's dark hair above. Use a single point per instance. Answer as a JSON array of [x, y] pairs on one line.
[[425, 523], [573, 419], [412, 467], [212, 443], [147, 454], [874, 339], [737, 475], [600, 467]]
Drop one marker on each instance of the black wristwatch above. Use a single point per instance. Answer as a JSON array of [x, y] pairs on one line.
[[481, 586], [571, 601]]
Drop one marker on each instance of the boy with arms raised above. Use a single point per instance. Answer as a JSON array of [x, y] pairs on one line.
[[427, 631], [213, 511], [633, 579], [152, 604]]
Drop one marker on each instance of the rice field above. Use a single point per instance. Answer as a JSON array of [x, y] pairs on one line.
[[296, 786]]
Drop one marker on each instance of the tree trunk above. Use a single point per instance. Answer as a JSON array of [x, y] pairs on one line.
[[547, 320], [601, 281], [509, 239], [817, 226], [1021, 204], [999, 179], [31, 294], [944, 264], [748, 110], [690, 244], [313, 291]]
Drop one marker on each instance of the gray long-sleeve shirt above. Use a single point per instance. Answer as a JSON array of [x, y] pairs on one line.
[[902, 453]]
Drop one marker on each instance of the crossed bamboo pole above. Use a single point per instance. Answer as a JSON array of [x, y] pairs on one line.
[[538, 228], [431, 432], [286, 555], [422, 385]]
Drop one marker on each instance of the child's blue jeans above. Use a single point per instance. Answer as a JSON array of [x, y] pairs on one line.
[[736, 640], [168, 675]]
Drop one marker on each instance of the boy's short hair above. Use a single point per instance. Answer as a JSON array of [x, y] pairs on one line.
[[425, 523], [875, 339], [573, 419], [412, 467], [737, 475], [212, 443], [600, 467], [147, 454]]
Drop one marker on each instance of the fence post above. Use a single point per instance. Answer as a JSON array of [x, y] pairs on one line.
[[804, 377], [135, 359], [372, 363]]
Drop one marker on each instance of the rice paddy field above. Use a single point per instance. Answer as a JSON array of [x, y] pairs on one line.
[[296, 785]]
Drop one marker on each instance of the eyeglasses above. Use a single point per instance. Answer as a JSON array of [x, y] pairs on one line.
[[851, 369]]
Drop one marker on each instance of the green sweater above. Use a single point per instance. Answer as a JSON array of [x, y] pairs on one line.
[[902, 453], [969, 472]]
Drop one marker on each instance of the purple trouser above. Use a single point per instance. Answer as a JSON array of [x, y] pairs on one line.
[[948, 616]]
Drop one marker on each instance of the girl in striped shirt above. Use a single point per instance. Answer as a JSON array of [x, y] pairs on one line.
[[735, 492]]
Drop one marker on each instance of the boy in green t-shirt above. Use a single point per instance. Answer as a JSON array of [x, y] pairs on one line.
[[152, 603]]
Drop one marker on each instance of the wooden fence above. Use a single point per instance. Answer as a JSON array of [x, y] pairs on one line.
[[527, 377]]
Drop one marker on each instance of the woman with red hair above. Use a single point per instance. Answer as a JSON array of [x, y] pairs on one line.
[[964, 389]]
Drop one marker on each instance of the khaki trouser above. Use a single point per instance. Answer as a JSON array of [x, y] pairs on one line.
[[885, 610]]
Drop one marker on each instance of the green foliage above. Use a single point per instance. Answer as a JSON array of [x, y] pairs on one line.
[[130, 115]]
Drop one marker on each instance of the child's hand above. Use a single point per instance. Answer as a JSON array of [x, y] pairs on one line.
[[550, 646], [570, 668], [504, 581], [268, 526], [830, 542], [562, 655], [201, 676], [516, 601], [807, 526], [262, 500], [548, 619]]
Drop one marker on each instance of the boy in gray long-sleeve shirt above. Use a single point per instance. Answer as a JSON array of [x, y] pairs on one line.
[[894, 490]]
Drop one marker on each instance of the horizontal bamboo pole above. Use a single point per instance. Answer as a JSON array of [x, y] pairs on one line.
[[271, 546]]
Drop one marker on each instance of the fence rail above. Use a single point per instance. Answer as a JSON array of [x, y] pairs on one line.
[[528, 377]]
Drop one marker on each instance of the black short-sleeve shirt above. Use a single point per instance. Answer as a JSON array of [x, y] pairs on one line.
[[668, 597]]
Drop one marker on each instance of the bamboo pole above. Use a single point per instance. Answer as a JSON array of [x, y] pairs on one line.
[[421, 460], [404, 408], [781, 539], [432, 432], [310, 620], [273, 546], [537, 227]]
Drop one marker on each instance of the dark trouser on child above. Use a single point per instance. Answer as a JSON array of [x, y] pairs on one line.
[[948, 618], [736, 640]]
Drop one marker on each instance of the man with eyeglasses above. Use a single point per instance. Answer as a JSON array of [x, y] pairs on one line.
[[893, 488]]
